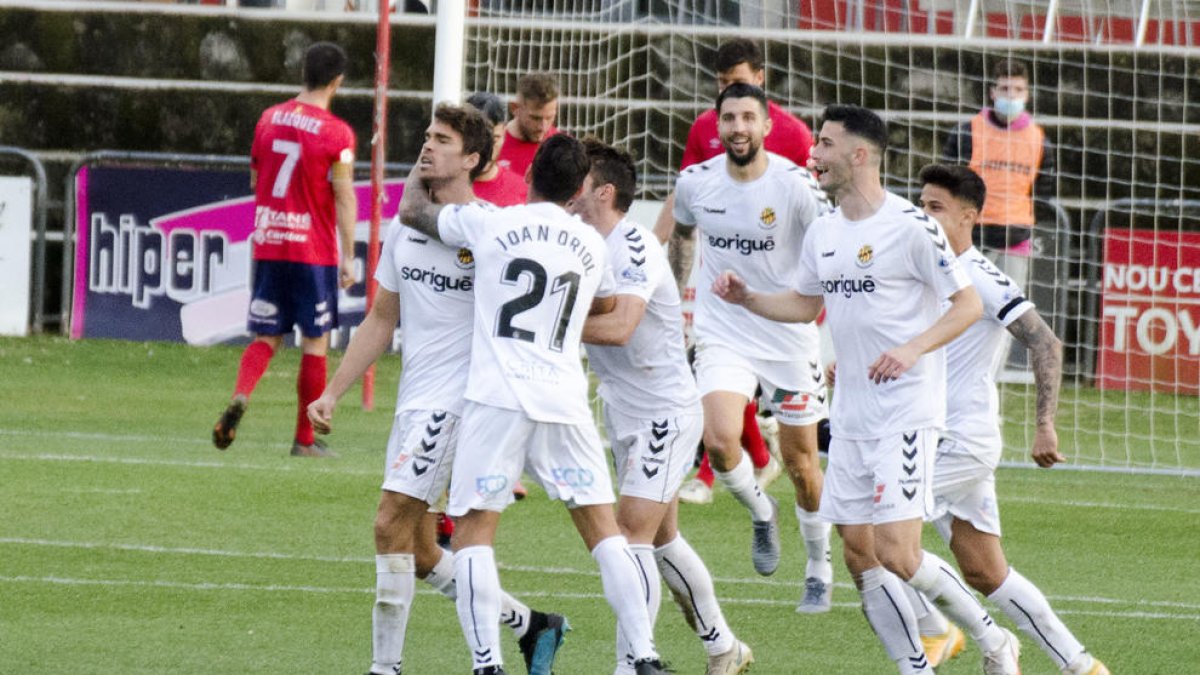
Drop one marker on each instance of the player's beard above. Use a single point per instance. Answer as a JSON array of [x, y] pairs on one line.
[[745, 159]]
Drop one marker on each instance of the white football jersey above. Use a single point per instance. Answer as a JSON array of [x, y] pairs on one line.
[[755, 229], [435, 283], [537, 270], [883, 280], [972, 404], [649, 375]]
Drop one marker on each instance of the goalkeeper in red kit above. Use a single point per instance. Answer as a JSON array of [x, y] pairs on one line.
[[302, 172]]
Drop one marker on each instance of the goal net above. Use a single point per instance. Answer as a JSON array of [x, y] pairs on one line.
[[1115, 259]]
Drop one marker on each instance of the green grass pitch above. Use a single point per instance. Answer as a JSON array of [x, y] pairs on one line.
[[129, 545]]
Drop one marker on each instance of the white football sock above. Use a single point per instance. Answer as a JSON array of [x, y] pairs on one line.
[[1028, 608], [441, 577], [479, 603], [626, 593], [394, 589], [815, 533], [514, 614], [643, 557], [942, 586], [692, 586], [741, 484], [891, 617], [930, 621]]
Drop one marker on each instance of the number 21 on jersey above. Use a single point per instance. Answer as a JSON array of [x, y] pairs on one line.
[[565, 286]]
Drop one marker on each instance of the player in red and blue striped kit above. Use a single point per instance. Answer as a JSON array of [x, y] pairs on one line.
[[302, 172]]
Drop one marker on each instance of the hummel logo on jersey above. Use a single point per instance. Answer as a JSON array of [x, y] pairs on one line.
[[828, 254], [743, 246], [709, 209], [417, 240], [847, 287], [989, 269]]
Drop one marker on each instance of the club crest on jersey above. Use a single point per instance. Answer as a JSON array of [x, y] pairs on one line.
[[465, 259], [767, 218], [865, 257]]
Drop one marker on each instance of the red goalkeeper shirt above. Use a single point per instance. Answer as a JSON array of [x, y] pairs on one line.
[[295, 148]]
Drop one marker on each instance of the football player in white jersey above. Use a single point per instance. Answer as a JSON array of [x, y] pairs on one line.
[[428, 287], [651, 407], [881, 269], [750, 209], [539, 270], [964, 484]]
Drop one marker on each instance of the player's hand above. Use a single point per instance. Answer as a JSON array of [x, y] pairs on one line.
[[320, 413], [1045, 447], [346, 272], [731, 288], [892, 364], [831, 374]]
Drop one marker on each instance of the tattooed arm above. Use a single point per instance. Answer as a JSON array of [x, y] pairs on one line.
[[1045, 354]]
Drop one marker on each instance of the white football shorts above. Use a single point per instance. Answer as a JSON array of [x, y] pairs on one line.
[[880, 480], [964, 487], [653, 455], [420, 454], [497, 444], [794, 391]]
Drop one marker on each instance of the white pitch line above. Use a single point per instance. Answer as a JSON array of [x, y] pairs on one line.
[[144, 548], [242, 466], [189, 463], [101, 436], [1099, 505], [277, 588], [106, 491]]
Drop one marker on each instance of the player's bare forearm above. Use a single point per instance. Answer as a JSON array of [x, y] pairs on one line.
[[682, 252], [664, 227], [965, 309], [417, 209], [615, 327], [371, 339], [345, 205], [1045, 355], [784, 306]]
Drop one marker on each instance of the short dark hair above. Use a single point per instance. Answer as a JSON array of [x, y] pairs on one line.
[[1009, 68], [861, 122], [559, 167], [739, 50], [742, 90], [612, 165], [323, 62], [489, 105], [960, 181], [475, 130], [537, 87]]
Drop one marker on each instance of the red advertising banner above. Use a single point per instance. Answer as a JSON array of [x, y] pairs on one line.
[[1150, 330]]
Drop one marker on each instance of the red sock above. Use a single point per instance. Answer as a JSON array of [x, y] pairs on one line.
[[255, 360], [309, 386], [705, 473], [445, 526], [752, 439]]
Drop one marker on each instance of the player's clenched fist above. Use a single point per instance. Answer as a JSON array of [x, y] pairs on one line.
[[731, 288], [320, 413]]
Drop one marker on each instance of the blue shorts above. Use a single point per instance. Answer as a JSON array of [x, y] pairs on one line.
[[290, 294]]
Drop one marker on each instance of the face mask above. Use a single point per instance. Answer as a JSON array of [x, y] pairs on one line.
[[1009, 108]]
